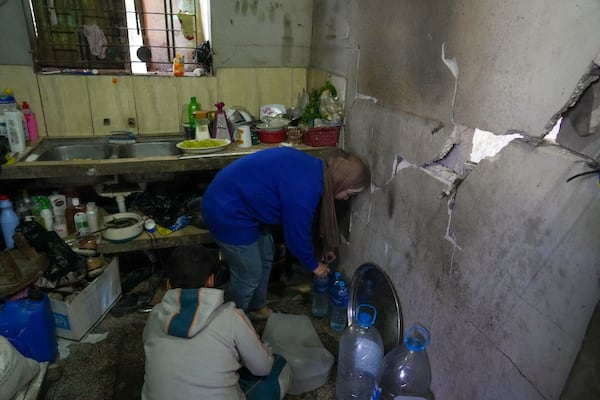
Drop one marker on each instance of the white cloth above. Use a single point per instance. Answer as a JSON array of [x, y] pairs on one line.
[[16, 371], [194, 345], [96, 40]]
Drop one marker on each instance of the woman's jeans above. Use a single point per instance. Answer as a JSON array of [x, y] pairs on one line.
[[249, 268]]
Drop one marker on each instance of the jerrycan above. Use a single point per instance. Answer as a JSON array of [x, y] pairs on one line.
[[28, 325]]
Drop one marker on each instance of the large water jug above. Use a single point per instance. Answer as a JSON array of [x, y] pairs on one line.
[[359, 357], [29, 325], [405, 370]]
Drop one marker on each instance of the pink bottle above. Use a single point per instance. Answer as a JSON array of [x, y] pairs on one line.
[[32, 130]]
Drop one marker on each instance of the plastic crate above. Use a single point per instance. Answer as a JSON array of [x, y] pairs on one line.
[[322, 136]]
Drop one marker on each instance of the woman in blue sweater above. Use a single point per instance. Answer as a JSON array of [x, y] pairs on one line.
[[278, 186]]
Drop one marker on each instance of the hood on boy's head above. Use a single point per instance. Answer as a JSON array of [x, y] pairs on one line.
[[185, 312]]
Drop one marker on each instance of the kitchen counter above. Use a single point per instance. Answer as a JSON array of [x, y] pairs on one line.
[[143, 165]]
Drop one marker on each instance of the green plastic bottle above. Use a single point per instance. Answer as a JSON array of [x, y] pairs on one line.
[[193, 106]]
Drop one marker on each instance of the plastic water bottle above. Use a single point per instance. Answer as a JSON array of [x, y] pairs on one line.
[[9, 220], [360, 354], [339, 310], [334, 280], [320, 297], [405, 370]]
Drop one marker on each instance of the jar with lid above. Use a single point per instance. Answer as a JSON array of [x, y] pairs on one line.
[[201, 120]]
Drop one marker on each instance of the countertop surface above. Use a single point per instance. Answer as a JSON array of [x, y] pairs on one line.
[[213, 161]]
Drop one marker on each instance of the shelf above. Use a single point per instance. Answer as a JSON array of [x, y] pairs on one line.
[[190, 235]]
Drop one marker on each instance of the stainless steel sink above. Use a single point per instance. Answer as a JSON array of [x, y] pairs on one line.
[[148, 149], [94, 149], [76, 152]]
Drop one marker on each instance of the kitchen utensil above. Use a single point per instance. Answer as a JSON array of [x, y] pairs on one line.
[[272, 135], [209, 146], [122, 227], [370, 284]]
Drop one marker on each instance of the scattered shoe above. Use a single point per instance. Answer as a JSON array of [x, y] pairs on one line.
[[260, 314]]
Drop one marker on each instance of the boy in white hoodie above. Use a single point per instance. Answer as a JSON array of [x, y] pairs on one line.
[[196, 346]]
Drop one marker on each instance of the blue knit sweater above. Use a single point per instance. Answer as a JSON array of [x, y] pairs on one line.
[[278, 186]]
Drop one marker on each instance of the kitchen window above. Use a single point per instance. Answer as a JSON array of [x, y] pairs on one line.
[[119, 36]]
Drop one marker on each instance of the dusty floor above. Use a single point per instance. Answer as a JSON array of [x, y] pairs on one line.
[[109, 363], [112, 368]]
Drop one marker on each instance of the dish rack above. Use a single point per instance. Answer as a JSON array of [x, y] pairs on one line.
[[322, 136]]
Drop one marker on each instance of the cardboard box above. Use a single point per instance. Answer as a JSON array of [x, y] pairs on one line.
[[77, 317]]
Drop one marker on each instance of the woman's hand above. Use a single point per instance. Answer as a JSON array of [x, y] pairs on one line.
[[329, 257], [321, 271]]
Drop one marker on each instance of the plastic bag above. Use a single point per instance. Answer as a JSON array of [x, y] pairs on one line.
[[63, 259]]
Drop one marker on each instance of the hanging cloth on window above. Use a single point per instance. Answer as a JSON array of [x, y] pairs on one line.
[[96, 40]]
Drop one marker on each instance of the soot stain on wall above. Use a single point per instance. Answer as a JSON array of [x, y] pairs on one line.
[[391, 204]]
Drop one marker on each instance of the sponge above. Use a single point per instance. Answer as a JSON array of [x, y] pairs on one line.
[[121, 137]]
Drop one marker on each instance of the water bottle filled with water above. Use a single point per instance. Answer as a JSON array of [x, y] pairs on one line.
[[339, 308], [359, 357], [320, 297], [405, 370]]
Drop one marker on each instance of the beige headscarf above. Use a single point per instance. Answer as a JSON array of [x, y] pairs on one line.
[[342, 171]]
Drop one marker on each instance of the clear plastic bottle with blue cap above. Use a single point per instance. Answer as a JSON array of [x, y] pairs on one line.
[[9, 220], [334, 280], [359, 356], [320, 297], [338, 320], [405, 370]]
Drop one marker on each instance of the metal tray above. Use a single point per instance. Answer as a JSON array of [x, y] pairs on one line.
[[371, 285]]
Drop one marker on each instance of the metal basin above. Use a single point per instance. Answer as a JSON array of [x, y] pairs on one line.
[[82, 149], [148, 149], [76, 152]]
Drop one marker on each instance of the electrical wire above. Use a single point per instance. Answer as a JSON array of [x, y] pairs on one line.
[[595, 171]]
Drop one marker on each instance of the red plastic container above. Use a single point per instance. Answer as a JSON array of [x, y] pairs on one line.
[[322, 136], [272, 135]]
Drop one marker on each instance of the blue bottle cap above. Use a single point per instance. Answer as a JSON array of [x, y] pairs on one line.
[[366, 315]]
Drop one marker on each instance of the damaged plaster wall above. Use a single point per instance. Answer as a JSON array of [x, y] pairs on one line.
[[500, 262], [258, 33]]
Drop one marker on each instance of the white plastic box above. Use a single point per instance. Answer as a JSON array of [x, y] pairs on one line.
[[75, 318], [295, 338]]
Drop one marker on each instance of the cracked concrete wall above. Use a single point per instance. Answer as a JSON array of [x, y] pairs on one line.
[[507, 302]]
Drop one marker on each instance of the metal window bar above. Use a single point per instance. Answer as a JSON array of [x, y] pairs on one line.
[[62, 44]]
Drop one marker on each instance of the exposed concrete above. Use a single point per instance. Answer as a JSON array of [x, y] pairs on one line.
[[261, 33], [502, 267]]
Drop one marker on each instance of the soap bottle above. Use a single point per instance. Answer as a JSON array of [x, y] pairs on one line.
[[76, 210], [30, 122], [59, 206], [92, 216], [220, 126], [178, 67]]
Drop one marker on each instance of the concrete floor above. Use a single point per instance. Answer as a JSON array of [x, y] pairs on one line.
[[112, 368], [109, 363]]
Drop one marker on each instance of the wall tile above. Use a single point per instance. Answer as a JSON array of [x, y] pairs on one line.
[[156, 102], [24, 84], [111, 97], [66, 105]]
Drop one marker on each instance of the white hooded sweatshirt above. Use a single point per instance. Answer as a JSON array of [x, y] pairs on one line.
[[194, 345]]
